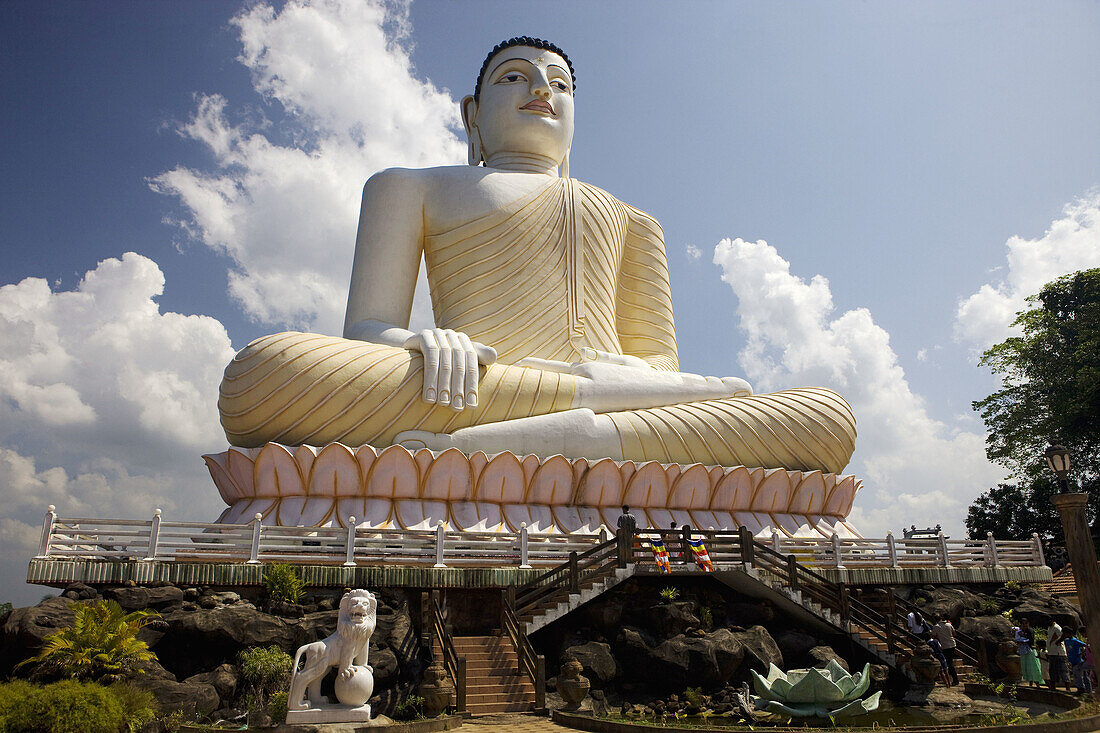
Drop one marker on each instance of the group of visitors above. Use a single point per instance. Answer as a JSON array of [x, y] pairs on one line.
[[940, 638], [1066, 653]]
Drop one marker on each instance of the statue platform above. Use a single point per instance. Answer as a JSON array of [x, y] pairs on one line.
[[395, 488]]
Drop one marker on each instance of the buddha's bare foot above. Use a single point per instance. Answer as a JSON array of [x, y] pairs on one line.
[[740, 387], [416, 439]]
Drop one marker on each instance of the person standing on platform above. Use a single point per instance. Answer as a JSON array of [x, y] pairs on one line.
[[627, 523], [1075, 655], [1030, 671], [944, 633], [1056, 656]]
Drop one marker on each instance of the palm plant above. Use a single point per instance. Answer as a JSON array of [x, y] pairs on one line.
[[101, 644]]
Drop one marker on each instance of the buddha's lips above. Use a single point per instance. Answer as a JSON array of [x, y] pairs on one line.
[[539, 106]]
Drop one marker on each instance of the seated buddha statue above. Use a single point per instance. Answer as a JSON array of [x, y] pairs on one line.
[[554, 328]]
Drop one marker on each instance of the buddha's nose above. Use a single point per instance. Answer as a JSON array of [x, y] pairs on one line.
[[540, 87]]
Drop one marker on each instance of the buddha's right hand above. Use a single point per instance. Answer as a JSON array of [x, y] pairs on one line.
[[450, 366]]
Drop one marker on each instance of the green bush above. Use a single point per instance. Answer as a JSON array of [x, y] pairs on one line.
[[138, 706], [267, 672], [669, 593], [411, 708], [277, 706], [101, 644], [706, 618], [68, 706], [266, 669], [283, 584]]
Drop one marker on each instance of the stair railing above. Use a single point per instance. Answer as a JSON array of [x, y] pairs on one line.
[[970, 650], [454, 664], [856, 616], [591, 565], [531, 662]]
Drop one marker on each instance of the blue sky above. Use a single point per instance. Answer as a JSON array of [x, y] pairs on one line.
[[915, 169]]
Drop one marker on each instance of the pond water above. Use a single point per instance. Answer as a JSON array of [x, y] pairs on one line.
[[891, 714]]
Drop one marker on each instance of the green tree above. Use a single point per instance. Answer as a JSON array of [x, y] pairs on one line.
[[1050, 392], [101, 644]]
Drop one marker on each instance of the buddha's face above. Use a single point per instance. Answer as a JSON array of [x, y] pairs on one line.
[[526, 104]]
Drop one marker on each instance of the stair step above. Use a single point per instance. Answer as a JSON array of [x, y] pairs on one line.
[[490, 708], [484, 686]]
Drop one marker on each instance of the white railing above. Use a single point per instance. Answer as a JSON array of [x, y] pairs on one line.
[[891, 552], [255, 542]]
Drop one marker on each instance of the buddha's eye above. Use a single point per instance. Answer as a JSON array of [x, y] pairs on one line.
[[561, 86], [511, 77]]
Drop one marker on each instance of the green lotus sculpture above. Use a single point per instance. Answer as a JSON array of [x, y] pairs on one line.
[[814, 693]]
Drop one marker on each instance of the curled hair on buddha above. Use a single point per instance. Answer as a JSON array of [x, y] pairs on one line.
[[522, 41]]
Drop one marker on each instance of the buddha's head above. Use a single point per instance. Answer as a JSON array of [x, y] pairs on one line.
[[523, 103]]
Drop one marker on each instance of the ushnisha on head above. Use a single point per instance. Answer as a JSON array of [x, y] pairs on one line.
[[522, 107]]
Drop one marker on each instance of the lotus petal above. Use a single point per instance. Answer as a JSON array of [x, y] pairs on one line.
[[863, 683], [858, 707], [775, 686], [814, 687], [793, 711]]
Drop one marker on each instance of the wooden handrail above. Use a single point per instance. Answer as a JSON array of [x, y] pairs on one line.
[[531, 662], [455, 665]]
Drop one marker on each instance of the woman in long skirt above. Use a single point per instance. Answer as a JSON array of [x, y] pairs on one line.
[[1030, 670]]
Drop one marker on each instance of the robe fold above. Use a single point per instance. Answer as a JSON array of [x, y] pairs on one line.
[[566, 267]]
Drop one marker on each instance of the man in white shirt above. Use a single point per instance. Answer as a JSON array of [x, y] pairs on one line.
[[1056, 656], [944, 633]]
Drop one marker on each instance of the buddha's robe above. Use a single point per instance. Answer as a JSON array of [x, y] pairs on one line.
[[565, 267]]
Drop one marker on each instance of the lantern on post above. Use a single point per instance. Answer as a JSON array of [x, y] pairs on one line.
[[1058, 460]]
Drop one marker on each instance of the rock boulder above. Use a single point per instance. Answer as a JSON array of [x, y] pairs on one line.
[[596, 659]]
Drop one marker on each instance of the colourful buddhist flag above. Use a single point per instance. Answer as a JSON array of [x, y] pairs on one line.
[[702, 557], [660, 555]]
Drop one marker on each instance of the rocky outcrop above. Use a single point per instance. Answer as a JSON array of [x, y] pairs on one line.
[[26, 628], [760, 648], [596, 660], [820, 656], [191, 698], [200, 633]]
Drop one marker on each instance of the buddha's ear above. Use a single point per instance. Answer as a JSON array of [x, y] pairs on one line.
[[473, 140]]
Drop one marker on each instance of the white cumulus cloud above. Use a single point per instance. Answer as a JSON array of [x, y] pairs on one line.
[[106, 404], [1071, 243], [916, 469], [282, 201]]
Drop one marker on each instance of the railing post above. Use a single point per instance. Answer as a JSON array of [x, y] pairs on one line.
[[349, 544], [254, 553], [439, 534], [992, 545], [746, 545], [792, 572], [47, 531], [154, 536], [460, 693], [891, 614], [838, 557], [845, 607], [892, 548], [524, 562], [943, 549], [540, 682], [574, 573], [1038, 554]]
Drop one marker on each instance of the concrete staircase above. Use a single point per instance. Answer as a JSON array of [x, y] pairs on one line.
[[493, 681], [559, 605], [861, 635]]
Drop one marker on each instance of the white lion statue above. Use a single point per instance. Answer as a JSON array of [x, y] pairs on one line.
[[346, 650]]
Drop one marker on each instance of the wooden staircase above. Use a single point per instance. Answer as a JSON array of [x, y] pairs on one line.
[[879, 630], [494, 683]]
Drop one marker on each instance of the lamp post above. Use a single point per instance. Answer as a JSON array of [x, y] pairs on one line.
[[1079, 546]]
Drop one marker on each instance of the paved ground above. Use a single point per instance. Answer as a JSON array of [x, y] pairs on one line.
[[512, 723]]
